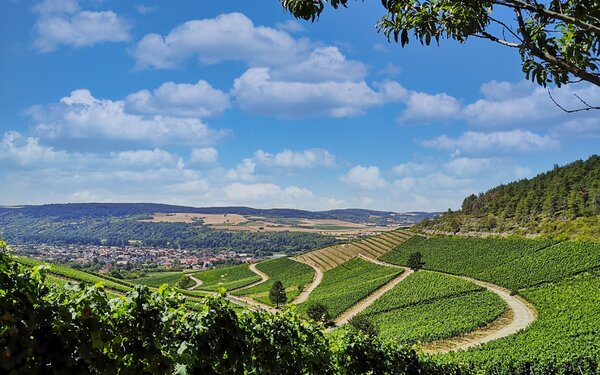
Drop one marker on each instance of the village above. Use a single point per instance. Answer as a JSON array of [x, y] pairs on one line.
[[129, 257]]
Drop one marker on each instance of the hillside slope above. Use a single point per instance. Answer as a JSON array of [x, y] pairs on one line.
[[563, 201]]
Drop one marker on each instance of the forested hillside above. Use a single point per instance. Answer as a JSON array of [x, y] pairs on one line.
[[565, 200]]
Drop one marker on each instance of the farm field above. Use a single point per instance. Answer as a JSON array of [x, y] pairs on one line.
[[346, 284], [158, 278], [430, 306], [292, 274], [228, 278]]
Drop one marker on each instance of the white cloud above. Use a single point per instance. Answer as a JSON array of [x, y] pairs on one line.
[[145, 9], [409, 168], [183, 99], [154, 158], [82, 116], [291, 26], [238, 192], [62, 22], [323, 64], [230, 36], [204, 156], [297, 159], [24, 151], [425, 108], [526, 105], [366, 178], [256, 91], [494, 143], [468, 166], [243, 171]]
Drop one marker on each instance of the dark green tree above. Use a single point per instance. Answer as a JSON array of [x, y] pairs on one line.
[[415, 261], [558, 40], [364, 325], [277, 293], [319, 313]]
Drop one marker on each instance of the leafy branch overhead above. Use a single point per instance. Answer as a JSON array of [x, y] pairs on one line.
[[558, 40]]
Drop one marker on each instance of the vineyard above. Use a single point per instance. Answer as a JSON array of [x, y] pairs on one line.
[[561, 279], [292, 274], [228, 278], [345, 285], [370, 247], [563, 340], [431, 306]]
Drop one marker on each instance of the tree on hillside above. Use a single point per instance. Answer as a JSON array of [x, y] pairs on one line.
[[319, 313], [364, 325], [415, 261], [558, 40], [277, 293]]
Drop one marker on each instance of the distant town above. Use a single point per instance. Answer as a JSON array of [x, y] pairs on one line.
[[105, 258]]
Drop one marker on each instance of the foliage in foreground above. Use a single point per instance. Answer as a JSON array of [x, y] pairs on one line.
[[80, 329]]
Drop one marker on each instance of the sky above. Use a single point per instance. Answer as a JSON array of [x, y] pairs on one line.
[[234, 102]]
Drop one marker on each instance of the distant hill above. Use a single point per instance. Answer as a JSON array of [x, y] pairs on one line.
[[563, 201], [80, 210]]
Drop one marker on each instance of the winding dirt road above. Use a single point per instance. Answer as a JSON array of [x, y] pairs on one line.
[[520, 314], [263, 278], [303, 296], [194, 279]]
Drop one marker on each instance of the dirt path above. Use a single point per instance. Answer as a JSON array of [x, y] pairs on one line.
[[520, 315], [263, 278], [303, 296], [196, 280], [251, 303], [371, 298]]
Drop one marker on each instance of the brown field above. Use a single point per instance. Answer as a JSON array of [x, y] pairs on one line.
[[234, 222]]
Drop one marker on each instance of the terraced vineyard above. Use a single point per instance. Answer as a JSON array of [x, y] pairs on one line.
[[229, 278], [292, 274], [345, 285], [431, 306], [371, 247]]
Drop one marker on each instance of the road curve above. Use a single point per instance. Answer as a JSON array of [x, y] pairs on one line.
[[194, 279], [519, 316], [303, 296], [263, 278]]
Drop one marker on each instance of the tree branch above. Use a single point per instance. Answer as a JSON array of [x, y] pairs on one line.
[[586, 108], [518, 4], [586, 76]]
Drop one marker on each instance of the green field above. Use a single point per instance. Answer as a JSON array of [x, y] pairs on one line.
[[159, 278], [348, 283], [430, 306], [228, 278], [292, 274], [561, 280], [563, 340], [469, 256]]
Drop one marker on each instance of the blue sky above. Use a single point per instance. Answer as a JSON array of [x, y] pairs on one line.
[[235, 103]]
